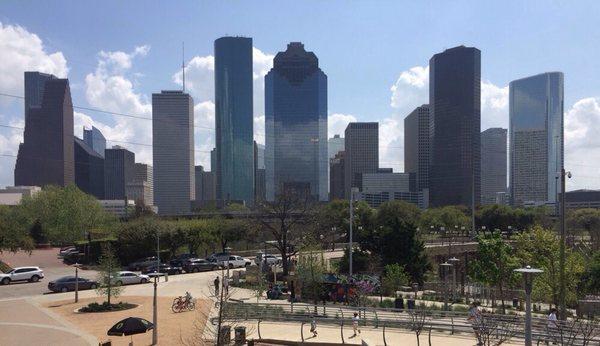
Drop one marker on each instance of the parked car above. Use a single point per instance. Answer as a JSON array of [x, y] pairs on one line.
[[31, 274], [235, 262], [271, 259], [180, 260], [162, 268], [67, 251], [127, 278], [199, 265], [142, 263], [217, 257], [67, 283]]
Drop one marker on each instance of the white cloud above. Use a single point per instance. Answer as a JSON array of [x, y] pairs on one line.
[[411, 88], [337, 122], [494, 106], [22, 51], [582, 143]]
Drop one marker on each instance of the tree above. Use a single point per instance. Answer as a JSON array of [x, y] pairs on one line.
[[495, 263], [310, 271], [14, 230], [287, 221], [66, 214], [590, 279], [588, 220], [450, 217], [501, 217], [109, 267], [393, 278], [228, 230], [540, 248]]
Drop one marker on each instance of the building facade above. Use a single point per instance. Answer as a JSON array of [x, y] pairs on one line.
[[173, 152], [335, 144], [89, 169], [455, 126], [536, 113], [95, 140], [493, 164], [119, 170], [46, 156], [580, 199], [260, 192], [296, 124], [234, 119], [416, 146], [378, 188], [336, 176], [361, 153], [141, 189]]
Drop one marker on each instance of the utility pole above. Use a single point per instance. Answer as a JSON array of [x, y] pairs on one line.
[[154, 301], [351, 226], [562, 288]]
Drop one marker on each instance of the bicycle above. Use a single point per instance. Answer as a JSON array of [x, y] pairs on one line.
[[184, 303]]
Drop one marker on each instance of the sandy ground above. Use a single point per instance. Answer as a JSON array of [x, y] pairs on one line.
[[174, 329]]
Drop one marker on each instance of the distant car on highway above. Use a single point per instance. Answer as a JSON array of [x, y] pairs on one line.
[[127, 278], [162, 268], [31, 274], [67, 283], [143, 263], [199, 265]]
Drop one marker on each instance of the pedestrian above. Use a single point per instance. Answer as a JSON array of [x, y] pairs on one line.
[[226, 285], [355, 321], [313, 327], [475, 319], [552, 326], [216, 283]]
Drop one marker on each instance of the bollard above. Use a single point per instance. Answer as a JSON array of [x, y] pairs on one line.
[[166, 277]]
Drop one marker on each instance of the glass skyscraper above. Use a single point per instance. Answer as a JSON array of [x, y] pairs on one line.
[[95, 140], [454, 126], [296, 124], [536, 138], [234, 119]]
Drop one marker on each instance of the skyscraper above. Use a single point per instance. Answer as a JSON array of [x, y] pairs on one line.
[[141, 189], [362, 153], [416, 146], [259, 173], [493, 164], [296, 124], [95, 140], [173, 152], [336, 176], [455, 122], [334, 146], [536, 138], [89, 169], [119, 170], [234, 119], [46, 156]]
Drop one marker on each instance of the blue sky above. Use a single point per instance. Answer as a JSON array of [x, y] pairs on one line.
[[365, 48]]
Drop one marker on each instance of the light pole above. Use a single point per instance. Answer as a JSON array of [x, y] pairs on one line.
[[154, 300], [562, 288], [352, 192], [333, 230], [454, 261], [445, 269], [528, 274], [76, 265]]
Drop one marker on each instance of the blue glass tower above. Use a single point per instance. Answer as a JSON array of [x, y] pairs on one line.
[[296, 124], [95, 140], [234, 119]]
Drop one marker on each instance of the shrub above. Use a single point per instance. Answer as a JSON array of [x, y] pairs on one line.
[[95, 307]]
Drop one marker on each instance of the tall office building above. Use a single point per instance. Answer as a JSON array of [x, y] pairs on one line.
[[173, 152], [455, 122], [46, 156], [213, 160], [381, 187], [536, 138], [119, 170], [95, 140], [296, 124], [362, 153], [336, 176], [141, 189], [335, 144], [493, 164], [234, 119], [416, 146], [260, 192], [89, 169]]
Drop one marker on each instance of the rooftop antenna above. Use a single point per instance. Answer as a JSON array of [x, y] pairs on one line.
[[183, 63]]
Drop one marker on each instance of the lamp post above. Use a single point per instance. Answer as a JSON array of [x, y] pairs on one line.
[[445, 268], [415, 287], [76, 265], [350, 250], [333, 230], [154, 300], [528, 274], [454, 261]]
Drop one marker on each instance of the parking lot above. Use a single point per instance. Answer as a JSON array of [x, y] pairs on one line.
[[47, 260]]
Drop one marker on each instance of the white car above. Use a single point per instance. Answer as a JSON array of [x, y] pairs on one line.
[[31, 274], [235, 262], [127, 278], [271, 259]]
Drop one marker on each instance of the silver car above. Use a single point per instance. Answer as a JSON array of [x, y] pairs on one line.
[[128, 278], [31, 274]]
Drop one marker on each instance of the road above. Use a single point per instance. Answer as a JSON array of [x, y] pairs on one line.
[[46, 259]]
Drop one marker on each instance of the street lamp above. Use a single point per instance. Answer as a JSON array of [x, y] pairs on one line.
[[445, 268], [333, 231], [528, 274], [350, 250], [76, 265], [454, 261], [415, 287]]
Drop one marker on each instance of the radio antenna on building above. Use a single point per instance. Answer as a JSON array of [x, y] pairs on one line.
[[183, 63]]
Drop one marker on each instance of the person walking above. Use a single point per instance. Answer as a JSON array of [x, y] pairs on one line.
[[355, 321], [216, 283], [313, 327], [552, 326], [226, 285], [475, 319]]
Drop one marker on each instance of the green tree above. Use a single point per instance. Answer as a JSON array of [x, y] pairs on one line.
[[66, 214], [501, 217], [109, 266], [590, 279], [14, 230], [394, 277], [588, 220], [452, 218], [540, 248], [495, 263], [310, 271]]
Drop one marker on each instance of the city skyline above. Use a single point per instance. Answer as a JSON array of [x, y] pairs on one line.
[[102, 68]]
